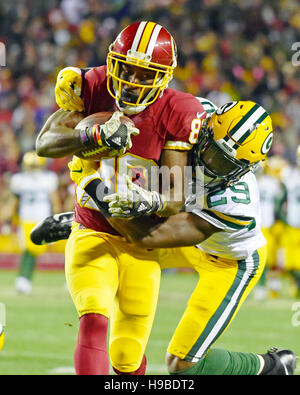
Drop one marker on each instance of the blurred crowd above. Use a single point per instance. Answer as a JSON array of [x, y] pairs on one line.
[[227, 50]]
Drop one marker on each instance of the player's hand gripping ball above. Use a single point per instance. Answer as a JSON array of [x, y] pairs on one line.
[[105, 134], [135, 202]]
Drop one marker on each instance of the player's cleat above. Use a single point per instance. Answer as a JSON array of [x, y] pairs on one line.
[[23, 285], [285, 362], [54, 228]]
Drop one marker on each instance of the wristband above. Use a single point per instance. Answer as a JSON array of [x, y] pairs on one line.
[[84, 138], [91, 136]]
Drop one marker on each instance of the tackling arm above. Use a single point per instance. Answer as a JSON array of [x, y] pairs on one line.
[[179, 230], [173, 194]]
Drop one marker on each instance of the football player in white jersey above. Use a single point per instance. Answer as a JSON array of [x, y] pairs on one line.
[[272, 192], [291, 237], [34, 189], [230, 251], [217, 234]]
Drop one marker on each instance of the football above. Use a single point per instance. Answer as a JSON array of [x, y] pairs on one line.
[[97, 118]]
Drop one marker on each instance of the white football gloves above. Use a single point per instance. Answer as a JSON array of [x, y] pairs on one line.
[[135, 202], [118, 143], [113, 134]]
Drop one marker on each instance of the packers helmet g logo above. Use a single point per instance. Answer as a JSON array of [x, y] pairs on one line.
[[267, 144]]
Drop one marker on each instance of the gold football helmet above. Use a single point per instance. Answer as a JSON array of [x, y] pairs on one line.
[[31, 161], [275, 166], [146, 48], [234, 140]]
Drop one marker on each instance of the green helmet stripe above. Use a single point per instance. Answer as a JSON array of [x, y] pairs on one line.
[[247, 134], [245, 118]]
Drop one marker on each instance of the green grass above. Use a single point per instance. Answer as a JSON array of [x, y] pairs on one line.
[[41, 328]]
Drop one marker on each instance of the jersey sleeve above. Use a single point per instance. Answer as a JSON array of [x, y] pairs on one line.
[[208, 106], [93, 79], [226, 222], [185, 121], [237, 208]]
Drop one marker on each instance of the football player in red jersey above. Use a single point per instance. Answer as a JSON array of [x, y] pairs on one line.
[[106, 278], [231, 252]]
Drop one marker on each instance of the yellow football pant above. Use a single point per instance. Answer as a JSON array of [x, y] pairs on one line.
[[291, 246], [25, 228], [106, 275], [221, 290], [273, 235]]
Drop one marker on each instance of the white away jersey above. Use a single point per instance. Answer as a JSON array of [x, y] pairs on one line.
[[291, 180], [208, 106], [269, 189], [235, 210], [33, 190]]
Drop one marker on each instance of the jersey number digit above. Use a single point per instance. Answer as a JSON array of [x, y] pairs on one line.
[[241, 195], [195, 130], [241, 188]]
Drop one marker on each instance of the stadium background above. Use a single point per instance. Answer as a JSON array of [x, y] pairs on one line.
[[227, 50]]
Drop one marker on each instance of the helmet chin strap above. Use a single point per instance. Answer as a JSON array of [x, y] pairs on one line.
[[130, 110]]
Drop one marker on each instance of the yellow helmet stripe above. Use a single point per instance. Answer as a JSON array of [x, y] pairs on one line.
[[153, 39], [146, 37], [138, 35]]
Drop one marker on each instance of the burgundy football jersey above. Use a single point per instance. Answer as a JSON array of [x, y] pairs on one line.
[[171, 122]]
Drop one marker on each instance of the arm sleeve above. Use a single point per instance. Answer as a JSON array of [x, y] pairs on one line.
[[231, 209], [226, 222], [93, 88]]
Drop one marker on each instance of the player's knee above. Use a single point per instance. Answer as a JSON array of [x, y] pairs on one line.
[[89, 302], [126, 354], [140, 307]]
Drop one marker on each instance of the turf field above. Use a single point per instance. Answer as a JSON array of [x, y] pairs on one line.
[[41, 328]]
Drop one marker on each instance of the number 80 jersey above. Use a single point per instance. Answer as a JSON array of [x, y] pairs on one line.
[[236, 212], [172, 122]]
